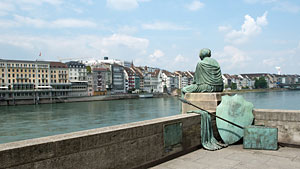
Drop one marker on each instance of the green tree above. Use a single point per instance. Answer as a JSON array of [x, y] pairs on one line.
[[89, 69], [260, 83], [233, 86]]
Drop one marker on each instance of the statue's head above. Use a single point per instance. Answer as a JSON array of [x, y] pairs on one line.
[[205, 52]]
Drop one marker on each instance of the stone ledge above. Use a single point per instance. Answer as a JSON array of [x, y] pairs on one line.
[[134, 144]]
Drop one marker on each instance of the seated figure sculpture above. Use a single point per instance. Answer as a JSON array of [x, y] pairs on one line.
[[208, 76]]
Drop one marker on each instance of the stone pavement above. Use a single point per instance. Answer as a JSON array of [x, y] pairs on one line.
[[236, 157]]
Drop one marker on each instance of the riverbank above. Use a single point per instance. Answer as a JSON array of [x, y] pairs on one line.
[[256, 90], [70, 99]]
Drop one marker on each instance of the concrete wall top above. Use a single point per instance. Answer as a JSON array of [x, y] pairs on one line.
[[205, 96], [277, 115], [60, 137]]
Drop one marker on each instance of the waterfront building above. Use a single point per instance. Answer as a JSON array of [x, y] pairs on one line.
[[22, 77], [118, 78], [77, 71], [272, 80], [132, 79], [152, 80], [170, 81], [101, 79], [237, 80], [79, 88], [90, 80], [227, 80], [141, 78], [59, 76], [78, 78], [246, 81]]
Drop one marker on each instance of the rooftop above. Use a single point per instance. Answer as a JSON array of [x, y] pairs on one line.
[[236, 157]]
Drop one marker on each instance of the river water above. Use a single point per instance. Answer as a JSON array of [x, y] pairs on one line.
[[32, 121]]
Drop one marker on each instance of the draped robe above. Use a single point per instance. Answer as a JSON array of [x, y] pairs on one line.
[[207, 78]]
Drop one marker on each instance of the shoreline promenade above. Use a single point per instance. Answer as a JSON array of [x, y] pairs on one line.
[[235, 157]]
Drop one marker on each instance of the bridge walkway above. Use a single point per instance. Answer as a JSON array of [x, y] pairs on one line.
[[237, 158]]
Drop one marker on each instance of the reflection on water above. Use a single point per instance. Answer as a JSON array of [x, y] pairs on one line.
[[31, 121], [275, 100]]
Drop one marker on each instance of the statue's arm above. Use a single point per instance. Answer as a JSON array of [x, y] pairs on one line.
[[196, 75]]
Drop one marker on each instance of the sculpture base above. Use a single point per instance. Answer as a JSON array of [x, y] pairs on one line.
[[206, 101]]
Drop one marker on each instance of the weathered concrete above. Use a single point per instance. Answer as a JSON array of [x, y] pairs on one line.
[[287, 122], [235, 157], [207, 101], [123, 146]]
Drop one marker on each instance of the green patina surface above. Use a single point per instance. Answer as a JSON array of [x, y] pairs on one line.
[[208, 140], [208, 76], [237, 110], [172, 134], [260, 137]]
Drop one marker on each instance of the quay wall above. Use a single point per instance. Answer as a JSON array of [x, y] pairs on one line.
[[132, 145], [48, 100], [69, 99], [287, 122]]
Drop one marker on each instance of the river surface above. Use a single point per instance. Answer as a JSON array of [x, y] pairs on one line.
[[32, 121]]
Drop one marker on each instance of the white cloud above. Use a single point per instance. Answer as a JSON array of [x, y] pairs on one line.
[[156, 55], [84, 45], [287, 7], [195, 5], [249, 29], [40, 2], [163, 26], [127, 29], [7, 24], [89, 2], [179, 58], [232, 57], [260, 1], [6, 7], [125, 40], [272, 62], [279, 5], [72, 23], [123, 4], [21, 20], [40, 23], [224, 28]]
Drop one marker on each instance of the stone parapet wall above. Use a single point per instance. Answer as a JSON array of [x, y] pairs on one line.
[[123, 146], [287, 122]]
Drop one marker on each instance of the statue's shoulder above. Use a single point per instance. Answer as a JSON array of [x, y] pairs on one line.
[[210, 61]]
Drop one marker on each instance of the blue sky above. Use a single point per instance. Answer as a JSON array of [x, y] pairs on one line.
[[245, 36]]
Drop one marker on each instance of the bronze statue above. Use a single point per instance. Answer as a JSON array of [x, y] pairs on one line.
[[208, 76]]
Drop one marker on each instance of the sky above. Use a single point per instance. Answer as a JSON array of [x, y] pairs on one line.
[[245, 36]]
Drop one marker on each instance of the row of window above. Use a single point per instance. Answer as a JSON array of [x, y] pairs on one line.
[[25, 70], [59, 81], [54, 71], [20, 65], [25, 81], [25, 75]]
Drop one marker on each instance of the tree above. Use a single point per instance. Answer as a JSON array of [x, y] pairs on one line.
[[89, 69], [260, 83], [233, 86]]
